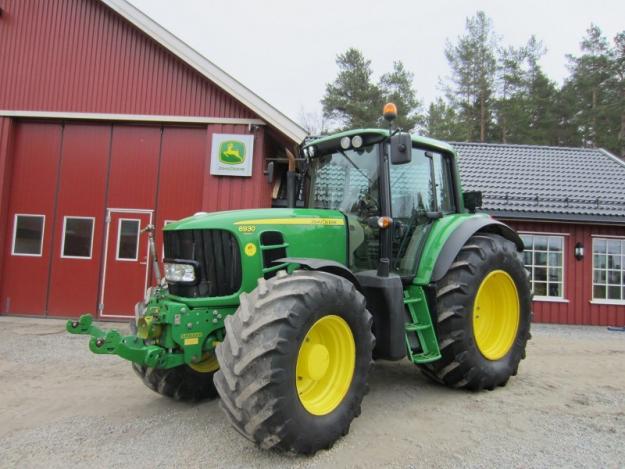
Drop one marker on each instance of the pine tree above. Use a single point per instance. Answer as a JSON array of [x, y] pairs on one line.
[[352, 100], [442, 122], [473, 65], [618, 86], [396, 87], [509, 107], [541, 95], [589, 81]]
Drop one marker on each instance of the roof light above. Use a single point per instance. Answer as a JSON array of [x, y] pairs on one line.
[[357, 141], [390, 111], [345, 143]]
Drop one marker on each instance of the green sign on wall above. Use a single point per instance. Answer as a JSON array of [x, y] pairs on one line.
[[232, 155]]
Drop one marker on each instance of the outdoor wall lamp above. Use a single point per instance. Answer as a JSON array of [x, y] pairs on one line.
[[579, 251]]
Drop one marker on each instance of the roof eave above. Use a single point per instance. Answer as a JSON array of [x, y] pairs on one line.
[[558, 217], [208, 69]]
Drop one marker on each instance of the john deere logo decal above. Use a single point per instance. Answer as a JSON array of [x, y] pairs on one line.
[[232, 152], [232, 155]]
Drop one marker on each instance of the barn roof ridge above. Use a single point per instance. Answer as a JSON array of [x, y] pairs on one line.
[[208, 69]]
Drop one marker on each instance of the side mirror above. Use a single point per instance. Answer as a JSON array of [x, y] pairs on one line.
[[401, 148], [472, 200], [269, 172]]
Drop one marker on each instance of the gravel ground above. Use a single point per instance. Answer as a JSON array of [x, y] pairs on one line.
[[62, 406]]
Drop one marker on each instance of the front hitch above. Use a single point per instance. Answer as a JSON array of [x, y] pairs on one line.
[[113, 343]]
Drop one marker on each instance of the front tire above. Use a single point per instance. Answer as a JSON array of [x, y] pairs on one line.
[[483, 314], [294, 361], [183, 383]]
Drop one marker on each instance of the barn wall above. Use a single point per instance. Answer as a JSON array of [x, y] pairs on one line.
[[79, 169], [80, 56], [577, 307], [6, 138]]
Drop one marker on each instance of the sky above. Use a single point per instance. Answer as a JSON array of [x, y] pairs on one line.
[[285, 50]]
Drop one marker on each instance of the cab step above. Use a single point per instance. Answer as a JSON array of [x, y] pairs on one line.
[[421, 340]]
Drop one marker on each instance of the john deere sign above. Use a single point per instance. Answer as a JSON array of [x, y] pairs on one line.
[[232, 155]]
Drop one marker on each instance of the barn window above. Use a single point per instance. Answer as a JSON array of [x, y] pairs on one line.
[[128, 239], [608, 266], [28, 235], [544, 261], [77, 237]]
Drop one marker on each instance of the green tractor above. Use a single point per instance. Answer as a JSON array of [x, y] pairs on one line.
[[281, 312]]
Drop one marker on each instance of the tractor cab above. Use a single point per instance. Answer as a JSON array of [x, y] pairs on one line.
[[389, 199]]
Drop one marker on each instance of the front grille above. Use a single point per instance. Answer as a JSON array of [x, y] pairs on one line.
[[218, 254]]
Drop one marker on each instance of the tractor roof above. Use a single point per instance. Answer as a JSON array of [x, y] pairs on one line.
[[418, 139]]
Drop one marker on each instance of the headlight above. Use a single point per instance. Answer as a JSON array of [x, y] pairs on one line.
[[179, 273]]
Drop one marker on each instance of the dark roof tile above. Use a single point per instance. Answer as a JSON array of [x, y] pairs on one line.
[[542, 179]]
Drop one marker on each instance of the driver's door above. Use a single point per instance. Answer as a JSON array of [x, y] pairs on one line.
[[418, 189]]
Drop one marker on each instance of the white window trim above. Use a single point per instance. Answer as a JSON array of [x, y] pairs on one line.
[[119, 237], [605, 301], [543, 233], [43, 232], [608, 302], [606, 236], [63, 238], [552, 299]]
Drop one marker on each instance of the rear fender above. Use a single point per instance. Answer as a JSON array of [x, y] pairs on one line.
[[461, 235]]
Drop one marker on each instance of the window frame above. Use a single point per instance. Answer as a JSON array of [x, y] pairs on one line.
[[606, 300], [63, 256], [549, 298], [43, 233], [119, 236]]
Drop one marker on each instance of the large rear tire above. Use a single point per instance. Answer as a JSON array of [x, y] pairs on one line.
[[483, 314], [294, 362]]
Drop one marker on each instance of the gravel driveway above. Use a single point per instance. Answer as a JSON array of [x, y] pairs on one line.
[[62, 406]]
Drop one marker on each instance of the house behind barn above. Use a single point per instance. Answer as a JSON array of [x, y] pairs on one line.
[[568, 204]]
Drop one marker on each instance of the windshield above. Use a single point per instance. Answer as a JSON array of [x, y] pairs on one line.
[[347, 181]]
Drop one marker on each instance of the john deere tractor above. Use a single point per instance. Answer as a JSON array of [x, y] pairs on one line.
[[281, 312]]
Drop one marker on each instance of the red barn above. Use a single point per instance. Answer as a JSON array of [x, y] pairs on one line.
[[568, 204], [108, 123]]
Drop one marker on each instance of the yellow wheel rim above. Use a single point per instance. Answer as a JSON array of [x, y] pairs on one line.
[[496, 315], [208, 365], [325, 365]]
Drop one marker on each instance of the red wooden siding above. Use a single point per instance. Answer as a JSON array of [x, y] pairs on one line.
[[6, 138], [37, 150], [577, 275], [228, 193], [81, 189], [77, 169], [135, 152], [80, 56]]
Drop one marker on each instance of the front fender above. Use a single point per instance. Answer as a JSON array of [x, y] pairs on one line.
[[324, 265]]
